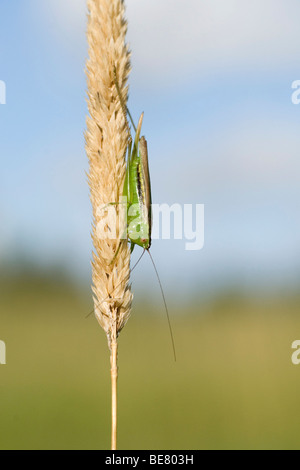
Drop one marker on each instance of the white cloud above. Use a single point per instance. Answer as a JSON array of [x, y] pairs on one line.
[[264, 152], [171, 39], [65, 21], [182, 36], [67, 14], [256, 154]]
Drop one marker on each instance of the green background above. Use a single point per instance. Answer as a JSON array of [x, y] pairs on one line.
[[233, 386]]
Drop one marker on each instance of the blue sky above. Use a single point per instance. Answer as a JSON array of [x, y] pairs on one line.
[[214, 80]]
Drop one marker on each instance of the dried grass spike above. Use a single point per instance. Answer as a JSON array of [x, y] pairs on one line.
[[106, 143]]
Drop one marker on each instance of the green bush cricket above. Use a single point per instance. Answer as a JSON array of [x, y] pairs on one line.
[[137, 197], [137, 191]]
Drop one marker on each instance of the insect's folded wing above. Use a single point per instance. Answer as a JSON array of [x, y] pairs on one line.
[[146, 177]]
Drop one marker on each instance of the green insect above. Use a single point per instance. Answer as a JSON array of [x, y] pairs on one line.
[[137, 195], [137, 186], [137, 191]]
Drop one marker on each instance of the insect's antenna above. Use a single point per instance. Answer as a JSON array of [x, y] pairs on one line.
[[166, 307], [131, 120], [124, 107], [117, 285]]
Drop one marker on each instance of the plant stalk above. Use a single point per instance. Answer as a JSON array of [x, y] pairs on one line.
[[106, 143], [114, 392]]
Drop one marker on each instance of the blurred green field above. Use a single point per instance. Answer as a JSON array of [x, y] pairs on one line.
[[233, 386]]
